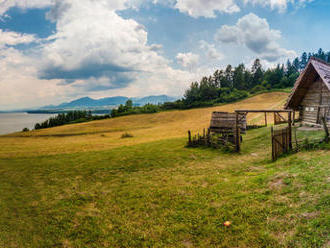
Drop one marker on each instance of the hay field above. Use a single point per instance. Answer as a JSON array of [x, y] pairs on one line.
[[106, 134]]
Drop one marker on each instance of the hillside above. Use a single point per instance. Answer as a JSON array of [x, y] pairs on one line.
[[105, 134], [83, 185]]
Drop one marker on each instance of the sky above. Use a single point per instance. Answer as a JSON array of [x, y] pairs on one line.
[[53, 51]]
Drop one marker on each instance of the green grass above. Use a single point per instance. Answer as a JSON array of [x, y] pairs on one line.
[[161, 194]]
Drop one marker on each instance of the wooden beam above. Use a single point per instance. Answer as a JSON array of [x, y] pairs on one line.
[[264, 110]]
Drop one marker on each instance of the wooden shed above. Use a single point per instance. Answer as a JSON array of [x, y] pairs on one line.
[[311, 93], [224, 122]]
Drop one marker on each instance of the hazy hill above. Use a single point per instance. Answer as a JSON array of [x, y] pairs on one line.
[[87, 102]]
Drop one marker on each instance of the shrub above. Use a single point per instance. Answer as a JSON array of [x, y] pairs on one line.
[[126, 135], [26, 129], [257, 89]]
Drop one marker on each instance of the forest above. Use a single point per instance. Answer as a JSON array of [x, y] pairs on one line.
[[233, 84]]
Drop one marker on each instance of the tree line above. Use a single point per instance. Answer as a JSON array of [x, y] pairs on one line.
[[70, 117], [129, 109], [236, 83]]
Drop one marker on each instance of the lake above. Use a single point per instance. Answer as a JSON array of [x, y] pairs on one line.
[[14, 122]]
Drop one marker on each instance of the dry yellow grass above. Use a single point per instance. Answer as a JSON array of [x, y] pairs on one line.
[[106, 134]]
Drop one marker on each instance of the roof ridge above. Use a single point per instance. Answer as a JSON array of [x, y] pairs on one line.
[[319, 60]]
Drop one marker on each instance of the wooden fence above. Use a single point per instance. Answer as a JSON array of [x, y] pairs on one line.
[[281, 141], [209, 139]]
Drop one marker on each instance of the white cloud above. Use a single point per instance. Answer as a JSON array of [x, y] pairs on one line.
[[93, 52], [5, 5], [211, 51], [13, 38], [281, 5], [194, 8], [187, 59], [256, 34], [209, 8], [19, 84], [198, 8], [93, 42]]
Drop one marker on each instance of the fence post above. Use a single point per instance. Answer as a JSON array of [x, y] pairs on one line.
[[273, 148], [290, 130], [294, 118], [326, 130], [237, 135], [266, 119], [189, 138]]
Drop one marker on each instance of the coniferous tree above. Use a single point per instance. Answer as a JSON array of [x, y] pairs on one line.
[[257, 73], [238, 78], [304, 61]]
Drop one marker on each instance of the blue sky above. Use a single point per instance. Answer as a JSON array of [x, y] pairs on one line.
[[58, 50]]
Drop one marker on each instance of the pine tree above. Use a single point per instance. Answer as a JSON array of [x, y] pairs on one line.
[[238, 77], [257, 73], [304, 61]]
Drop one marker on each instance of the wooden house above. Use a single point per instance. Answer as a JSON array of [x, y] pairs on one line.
[[311, 93]]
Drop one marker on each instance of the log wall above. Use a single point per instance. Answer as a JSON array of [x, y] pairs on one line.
[[315, 103]]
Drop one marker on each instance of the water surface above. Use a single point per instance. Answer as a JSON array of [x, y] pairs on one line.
[[14, 122]]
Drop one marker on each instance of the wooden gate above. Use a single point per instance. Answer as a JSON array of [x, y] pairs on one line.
[[281, 142]]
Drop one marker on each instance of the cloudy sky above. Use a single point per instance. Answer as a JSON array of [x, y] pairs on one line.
[[59, 50]]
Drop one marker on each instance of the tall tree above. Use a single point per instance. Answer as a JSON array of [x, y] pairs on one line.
[[228, 79], [238, 77], [303, 61], [257, 73]]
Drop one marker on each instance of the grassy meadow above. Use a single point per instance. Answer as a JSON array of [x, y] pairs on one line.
[[85, 185]]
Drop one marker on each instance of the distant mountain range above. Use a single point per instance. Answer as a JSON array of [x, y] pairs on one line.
[[90, 103]]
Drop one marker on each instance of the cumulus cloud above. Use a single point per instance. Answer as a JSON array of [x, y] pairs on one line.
[[211, 51], [92, 42], [209, 8], [94, 51], [5, 5], [281, 5], [256, 34], [187, 59], [20, 87], [8, 38], [198, 8]]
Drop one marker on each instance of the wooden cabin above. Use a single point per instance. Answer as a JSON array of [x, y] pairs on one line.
[[311, 93]]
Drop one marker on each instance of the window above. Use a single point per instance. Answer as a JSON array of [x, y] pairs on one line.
[[310, 109]]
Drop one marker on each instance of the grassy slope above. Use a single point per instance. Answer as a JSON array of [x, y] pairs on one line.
[[106, 134], [97, 190]]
